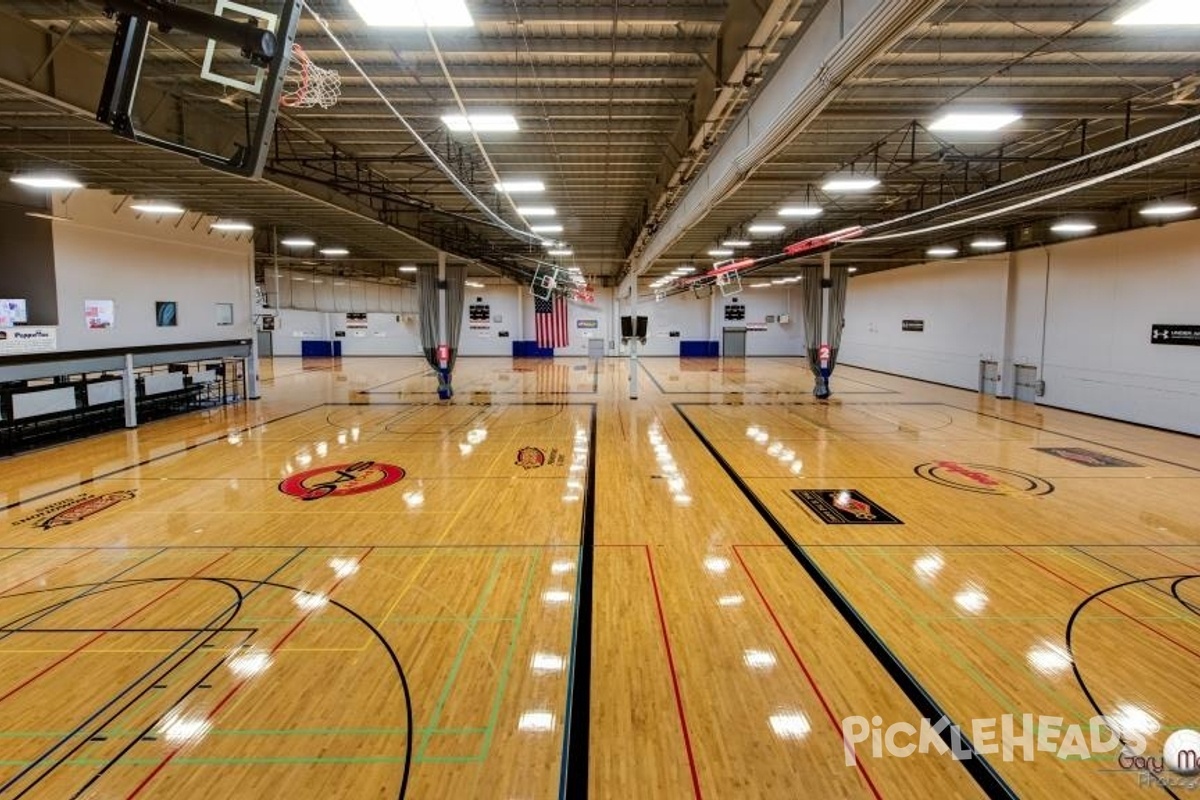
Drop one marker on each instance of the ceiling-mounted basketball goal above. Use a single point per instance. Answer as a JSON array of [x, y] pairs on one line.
[[251, 63]]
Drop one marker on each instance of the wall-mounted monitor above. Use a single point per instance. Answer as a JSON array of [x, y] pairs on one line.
[[13, 312]]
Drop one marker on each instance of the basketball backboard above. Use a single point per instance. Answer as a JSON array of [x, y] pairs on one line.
[[203, 78]]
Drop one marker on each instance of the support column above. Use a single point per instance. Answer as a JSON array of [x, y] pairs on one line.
[[129, 384], [633, 344], [821, 390], [445, 392]]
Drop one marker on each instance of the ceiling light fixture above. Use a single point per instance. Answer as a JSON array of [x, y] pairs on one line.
[[852, 270], [414, 13], [1167, 208], [766, 228], [46, 181], [988, 243], [1162, 12], [720, 253], [298, 241], [850, 183], [735, 243], [1070, 227], [973, 121], [520, 187], [942, 252], [806, 211], [481, 123], [231, 226], [334, 251], [536, 211], [560, 253], [546, 228], [158, 208]]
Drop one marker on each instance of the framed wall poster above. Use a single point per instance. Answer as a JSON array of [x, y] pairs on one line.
[[224, 313], [99, 314], [165, 314]]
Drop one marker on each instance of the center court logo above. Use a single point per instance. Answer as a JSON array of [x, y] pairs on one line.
[[341, 480], [983, 479], [1020, 739]]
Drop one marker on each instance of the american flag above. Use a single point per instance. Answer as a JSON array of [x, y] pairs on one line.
[[551, 318]]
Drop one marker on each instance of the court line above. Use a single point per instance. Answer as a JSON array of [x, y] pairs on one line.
[[187, 448], [1187, 618], [216, 709], [1071, 583], [506, 667], [979, 768], [573, 777], [46, 670], [464, 645], [808, 676], [86, 552], [662, 621]]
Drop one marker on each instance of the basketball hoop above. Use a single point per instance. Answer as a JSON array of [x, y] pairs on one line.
[[308, 85]]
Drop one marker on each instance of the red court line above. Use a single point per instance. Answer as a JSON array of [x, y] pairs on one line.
[[49, 668], [47, 572], [1069, 582], [833, 720], [662, 621], [236, 688]]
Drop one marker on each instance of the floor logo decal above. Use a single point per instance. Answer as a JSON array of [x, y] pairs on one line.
[[844, 507], [341, 480], [530, 457], [75, 509], [983, 479], [1088, 458]]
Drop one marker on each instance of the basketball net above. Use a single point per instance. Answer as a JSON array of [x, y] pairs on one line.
[[308, 85]]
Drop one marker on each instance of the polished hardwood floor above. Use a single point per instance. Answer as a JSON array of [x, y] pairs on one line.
[[544, 589]]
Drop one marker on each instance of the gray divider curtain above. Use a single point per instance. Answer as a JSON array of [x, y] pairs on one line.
[[812, 316], [837, 311], [427, 309], [456, 278]]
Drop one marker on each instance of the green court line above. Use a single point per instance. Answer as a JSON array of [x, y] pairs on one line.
[[505, 670], [493, 578], [1050, 692], [964, 663], [224, 761]]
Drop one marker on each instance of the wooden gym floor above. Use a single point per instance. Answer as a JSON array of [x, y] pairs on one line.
[[350, 590]]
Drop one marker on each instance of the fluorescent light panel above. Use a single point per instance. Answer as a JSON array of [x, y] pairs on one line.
[[408, 268], [720, 253], [766, 227], [988, 243], [414, 13], [1073, 226], [157, 208], [942, 252], [801, 211], [46, 181], [1175, 208], [561, 252], [231, 226], [974, 121], [298, 241], [520, 187], [850, 183], [481, 123], [546, 228], [536, 211], [334, 251], [1162, 12], [735, 243]]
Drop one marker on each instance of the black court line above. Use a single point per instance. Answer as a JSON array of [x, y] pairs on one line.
[[976, 765], [573, 778], [222, 437], [427, 371], [748, 392], [468, 390]]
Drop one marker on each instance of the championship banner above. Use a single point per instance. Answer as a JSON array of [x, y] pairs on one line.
[[23, 340]]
